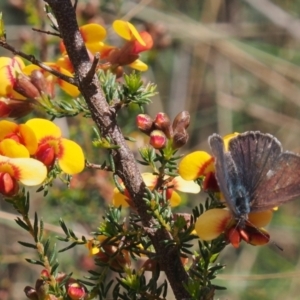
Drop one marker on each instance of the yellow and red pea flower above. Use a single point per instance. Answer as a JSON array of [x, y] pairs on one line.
[[137, 42], [93, 36], [16, 140], [52, 146], [28, 171], [216, 221], [9, 70], [172, 184]]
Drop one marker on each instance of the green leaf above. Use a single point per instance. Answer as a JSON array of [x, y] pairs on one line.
[[22, 224], [28, 245], [69, 247], [35, 262]]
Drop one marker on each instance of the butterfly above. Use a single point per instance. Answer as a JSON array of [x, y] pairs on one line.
[[254, 174]]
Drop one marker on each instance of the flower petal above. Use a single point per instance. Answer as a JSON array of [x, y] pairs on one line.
[[139, 65], [92, 32], [127, 31], [13, 149], [7, 127], [29, 138], [27, 170], [43, 129], [71, 159], [196, 164], [212, 223], [147, 38], [149, 179], [260, 218], [175, 199], [257, 236], [119, 199], [186, 186]]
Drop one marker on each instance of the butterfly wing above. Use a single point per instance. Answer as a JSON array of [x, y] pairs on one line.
[[226, 172], [269, 176], [281, 184]]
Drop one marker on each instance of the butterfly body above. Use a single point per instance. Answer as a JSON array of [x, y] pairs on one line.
[[254, 174]]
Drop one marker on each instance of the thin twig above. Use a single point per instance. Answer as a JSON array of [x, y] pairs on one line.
[[46, 32], [36, 62]]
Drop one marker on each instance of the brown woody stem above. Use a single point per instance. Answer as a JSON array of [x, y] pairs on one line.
[[126, 167]]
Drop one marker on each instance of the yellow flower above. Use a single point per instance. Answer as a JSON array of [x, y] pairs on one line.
[[28, 171], [52, 146]]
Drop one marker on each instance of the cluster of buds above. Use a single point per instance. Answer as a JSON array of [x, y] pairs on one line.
[[31, 87], [74, 289], [162, 131]]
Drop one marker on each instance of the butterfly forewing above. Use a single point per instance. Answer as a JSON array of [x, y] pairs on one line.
[[254, 155], [226, 172]]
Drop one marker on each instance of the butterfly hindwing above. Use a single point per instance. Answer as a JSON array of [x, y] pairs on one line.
[[281, 183]]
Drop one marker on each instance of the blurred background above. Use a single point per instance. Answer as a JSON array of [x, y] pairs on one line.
[[234, 65]]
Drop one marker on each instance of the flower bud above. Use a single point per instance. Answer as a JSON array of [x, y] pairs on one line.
[[150, 265], [30, 293], [45, 274], [158, 139], [75, 290], [8, 185], [144, 123], [180, 138], [10, 108], [182, 120], [24, 87], [116, 261], [38, 80], [163, 123], [42, 288]]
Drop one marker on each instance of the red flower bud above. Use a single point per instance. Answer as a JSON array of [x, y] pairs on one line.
[[31, 293], [45, 274], [163, 123], [24, 87], [8, 185], [75, 290], [158, 139], [182, 120], [144, 123], [180, 138]]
